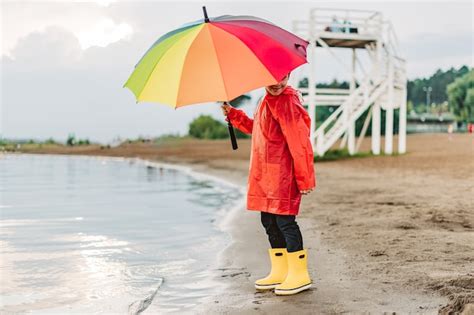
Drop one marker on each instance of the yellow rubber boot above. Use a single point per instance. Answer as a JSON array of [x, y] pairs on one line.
[[297, 279], [278, 271]]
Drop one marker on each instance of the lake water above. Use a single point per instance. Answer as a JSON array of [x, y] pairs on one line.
[[113, 236]]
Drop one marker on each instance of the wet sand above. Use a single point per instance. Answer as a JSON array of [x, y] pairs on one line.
[[384, 234]]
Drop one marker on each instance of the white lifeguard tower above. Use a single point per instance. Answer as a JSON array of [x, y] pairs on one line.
[[377, 80]]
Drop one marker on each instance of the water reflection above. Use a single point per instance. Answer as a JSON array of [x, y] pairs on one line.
[[99, 236]]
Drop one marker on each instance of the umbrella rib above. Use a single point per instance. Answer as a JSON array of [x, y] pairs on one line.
[[153, 69], [156, 63], [262, 34], [219, 64], [263, 63], [166, 36], [272, 36], [266, 35]]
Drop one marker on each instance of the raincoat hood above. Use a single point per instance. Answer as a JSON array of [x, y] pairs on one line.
[[291, 93]]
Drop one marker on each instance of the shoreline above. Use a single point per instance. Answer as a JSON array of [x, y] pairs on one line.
[[375, 245], [328, 267]]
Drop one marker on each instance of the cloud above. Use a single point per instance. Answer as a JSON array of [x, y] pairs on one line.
[[103, 33], [52, 88], [58, 80], [21, 18], [432, 46], [430, 51]]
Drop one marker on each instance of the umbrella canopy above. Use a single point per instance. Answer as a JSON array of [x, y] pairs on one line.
[[215, 59]]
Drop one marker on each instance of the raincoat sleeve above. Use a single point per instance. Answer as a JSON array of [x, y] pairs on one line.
[[295, 123], [240, 120]]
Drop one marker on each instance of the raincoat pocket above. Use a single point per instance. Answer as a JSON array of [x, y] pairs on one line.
[[274, 152], [272, 180]]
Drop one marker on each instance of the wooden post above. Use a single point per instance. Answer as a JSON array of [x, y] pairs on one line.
[[351, 122], [402, 123], [376, 107], [312, 89], [376, 128], [389, 111]]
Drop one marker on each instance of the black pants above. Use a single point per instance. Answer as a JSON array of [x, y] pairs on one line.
[[282, 231]]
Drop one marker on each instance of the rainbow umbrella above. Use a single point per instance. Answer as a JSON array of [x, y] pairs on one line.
[[215, 60]]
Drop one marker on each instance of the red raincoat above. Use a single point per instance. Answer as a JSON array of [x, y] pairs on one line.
[[281, 160]]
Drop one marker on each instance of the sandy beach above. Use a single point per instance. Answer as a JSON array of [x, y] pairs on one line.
[[386, 234]]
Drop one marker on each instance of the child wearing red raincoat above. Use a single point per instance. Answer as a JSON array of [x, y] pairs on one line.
[[281, 170]]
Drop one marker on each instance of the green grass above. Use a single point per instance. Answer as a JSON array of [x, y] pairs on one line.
[[335, 155]]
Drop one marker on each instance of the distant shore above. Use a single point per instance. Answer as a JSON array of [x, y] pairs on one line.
[[384, 234]]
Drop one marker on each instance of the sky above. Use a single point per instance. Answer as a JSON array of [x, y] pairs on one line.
[[63, 63]]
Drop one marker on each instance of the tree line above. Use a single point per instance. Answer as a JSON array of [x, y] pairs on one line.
[[451, 90]]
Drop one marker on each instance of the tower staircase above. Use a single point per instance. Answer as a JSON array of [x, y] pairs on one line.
[[383, 86]]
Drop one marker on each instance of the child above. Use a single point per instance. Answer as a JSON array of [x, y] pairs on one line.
[[281, 170]]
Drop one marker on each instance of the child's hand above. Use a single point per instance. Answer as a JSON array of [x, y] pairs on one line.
[[225, 108], [305, 192]]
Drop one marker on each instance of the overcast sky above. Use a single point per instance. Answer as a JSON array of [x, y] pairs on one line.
[[63, 63]]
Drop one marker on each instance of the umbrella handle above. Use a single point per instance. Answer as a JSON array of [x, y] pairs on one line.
[[233, 139]]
